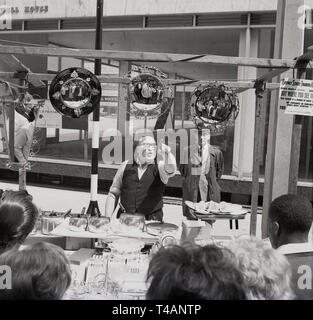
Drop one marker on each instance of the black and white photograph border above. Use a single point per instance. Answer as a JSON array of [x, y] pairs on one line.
[[149, 151]]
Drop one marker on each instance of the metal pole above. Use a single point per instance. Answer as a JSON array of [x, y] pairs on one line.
[[93, 209], [259, 90], [145, 122], [296, 135]]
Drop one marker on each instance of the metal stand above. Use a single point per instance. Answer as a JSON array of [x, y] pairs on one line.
[[259, 90], [93, 208]]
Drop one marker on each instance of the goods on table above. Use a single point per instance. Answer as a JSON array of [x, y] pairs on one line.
[[131, 222], [78, 223], [98, 224], [212, 207]]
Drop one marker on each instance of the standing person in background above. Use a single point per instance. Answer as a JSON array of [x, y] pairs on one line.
[[140, 185], [201, 167], [23, 137]]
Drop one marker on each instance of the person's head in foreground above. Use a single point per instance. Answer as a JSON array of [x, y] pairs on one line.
[[39, 271], [18, 216], [290, 220], [194, 273], [267, 273]]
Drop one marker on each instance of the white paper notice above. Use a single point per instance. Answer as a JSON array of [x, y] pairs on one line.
[[48, 117], [296, 97]]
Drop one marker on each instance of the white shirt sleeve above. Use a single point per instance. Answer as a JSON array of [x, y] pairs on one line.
[[118, 179]]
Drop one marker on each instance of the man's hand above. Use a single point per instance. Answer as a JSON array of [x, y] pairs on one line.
[[163, 149], [168, 162]]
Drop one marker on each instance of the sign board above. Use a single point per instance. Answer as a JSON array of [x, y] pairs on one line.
[[75, 123], [109, 100], [40, 9], [48, 117], [296, 97]]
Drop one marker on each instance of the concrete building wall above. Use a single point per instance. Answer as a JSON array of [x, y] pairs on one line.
[[86, 8]]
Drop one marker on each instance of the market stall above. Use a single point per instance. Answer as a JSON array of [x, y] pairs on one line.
[[150, 95]]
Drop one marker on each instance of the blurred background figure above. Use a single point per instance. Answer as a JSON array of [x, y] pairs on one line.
[[290, 220], [40, 271], [18, 215], [194, 273], [267, 273], [201, 167], [23, 137]]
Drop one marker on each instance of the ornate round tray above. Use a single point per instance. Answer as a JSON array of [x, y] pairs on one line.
[[75, 92], [214, 106], [149, 94]]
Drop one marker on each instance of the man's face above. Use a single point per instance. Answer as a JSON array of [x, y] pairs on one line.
[[146, 150]]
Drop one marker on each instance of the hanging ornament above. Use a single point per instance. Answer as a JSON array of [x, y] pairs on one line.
[[75, 92], [148, 93], [214, 106]]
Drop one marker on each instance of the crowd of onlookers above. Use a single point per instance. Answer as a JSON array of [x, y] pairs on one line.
[[243, 269]]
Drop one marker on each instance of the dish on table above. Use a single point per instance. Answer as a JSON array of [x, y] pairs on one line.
[[212, 207], [98, 224], [77, 223], [131, 222], [159, 228]]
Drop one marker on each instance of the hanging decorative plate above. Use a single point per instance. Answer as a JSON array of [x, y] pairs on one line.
[[149, 94], [75, 92], [214, 106]]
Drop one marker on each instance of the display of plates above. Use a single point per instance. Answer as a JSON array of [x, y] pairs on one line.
[[194, 207], [227, 208]]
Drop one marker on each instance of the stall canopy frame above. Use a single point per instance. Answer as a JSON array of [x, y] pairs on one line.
[[260, 85]]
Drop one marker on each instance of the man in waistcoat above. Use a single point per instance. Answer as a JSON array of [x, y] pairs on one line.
[[140, 185]]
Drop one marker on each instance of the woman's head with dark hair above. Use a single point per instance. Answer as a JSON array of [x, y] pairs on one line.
[[194, 273], [40, 271], [18, 216]]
